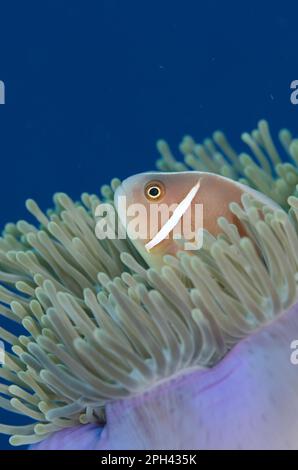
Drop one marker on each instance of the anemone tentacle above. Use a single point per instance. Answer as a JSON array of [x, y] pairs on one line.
[[99, 324]]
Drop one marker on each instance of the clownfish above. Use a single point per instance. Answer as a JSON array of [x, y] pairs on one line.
[[157, 209]]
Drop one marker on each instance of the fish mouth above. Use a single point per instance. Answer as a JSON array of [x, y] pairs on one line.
[[120, 191]]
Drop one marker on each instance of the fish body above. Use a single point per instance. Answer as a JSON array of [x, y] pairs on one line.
[[154, 192]]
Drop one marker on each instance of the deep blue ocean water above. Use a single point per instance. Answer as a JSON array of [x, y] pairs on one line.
[[91, 85]]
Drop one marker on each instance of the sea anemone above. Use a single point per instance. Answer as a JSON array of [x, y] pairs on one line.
[[115, 354]]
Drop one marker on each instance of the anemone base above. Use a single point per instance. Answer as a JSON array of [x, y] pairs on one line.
[[248, 401]]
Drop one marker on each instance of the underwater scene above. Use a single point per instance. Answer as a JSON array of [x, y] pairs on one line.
[[149, 226]]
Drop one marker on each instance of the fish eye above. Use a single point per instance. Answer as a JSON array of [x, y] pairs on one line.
[[154, 190]]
